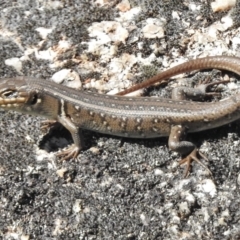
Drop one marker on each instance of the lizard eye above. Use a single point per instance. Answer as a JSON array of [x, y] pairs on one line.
[[34, 99]]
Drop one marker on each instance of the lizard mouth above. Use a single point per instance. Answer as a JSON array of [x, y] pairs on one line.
[[10, 98]]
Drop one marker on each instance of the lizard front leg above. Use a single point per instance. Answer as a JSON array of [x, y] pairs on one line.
[[78, 140]]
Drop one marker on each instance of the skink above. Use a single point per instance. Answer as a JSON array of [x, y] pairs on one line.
[[135, 117]]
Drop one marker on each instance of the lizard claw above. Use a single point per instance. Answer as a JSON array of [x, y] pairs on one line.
[[48, 124], [70, 152], [193, 157], [206, 87]]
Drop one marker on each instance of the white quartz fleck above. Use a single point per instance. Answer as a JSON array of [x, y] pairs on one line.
[[220, 5], [123, 6], [153, 28], [71, 78], [209, 187], [106, 31], [44, 31], [59, 76], [64, 44], [48, 54], [15, 63], [129, 15]]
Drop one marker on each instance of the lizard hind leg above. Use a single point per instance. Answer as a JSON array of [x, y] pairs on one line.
[[176, 144], [200, 92]]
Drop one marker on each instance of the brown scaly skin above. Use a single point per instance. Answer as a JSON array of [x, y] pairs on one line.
[[126, 116]]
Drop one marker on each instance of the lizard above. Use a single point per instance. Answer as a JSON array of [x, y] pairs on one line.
[[132, 117]]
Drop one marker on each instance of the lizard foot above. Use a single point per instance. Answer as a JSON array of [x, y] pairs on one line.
[[206, 86], [70, 152], [193, 157]]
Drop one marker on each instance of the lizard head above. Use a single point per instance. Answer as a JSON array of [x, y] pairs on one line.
[[16, 94]]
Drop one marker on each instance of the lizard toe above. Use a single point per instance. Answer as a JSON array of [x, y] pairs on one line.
[[193, 156]]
